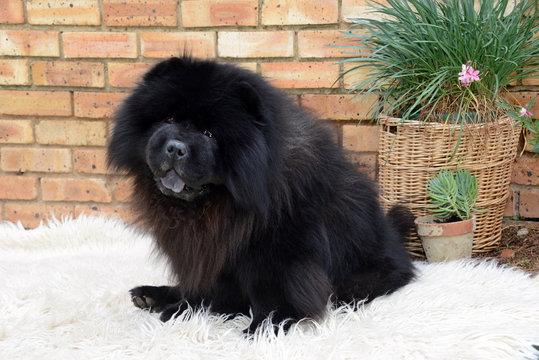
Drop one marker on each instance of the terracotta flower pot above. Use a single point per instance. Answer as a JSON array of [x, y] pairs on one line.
[[445, 241]]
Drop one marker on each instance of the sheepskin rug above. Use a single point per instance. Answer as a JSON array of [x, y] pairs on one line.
[[64, 295]]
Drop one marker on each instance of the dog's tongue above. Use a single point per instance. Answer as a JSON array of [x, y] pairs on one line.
[[172, 181]]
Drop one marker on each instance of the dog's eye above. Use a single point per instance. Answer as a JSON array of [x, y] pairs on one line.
[[208, 133], [170, 119]]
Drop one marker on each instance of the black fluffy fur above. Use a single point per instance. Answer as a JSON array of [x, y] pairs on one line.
[[285, 220]]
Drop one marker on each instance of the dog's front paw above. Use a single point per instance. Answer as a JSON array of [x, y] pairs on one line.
[[172, 311], [142, 298]]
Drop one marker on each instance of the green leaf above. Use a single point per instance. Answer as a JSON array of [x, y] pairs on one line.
[[452, 194]]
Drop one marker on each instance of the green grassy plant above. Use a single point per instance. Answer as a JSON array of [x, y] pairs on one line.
[[414, 53]]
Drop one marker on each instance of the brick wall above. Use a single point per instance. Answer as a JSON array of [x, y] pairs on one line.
[[65, 65]]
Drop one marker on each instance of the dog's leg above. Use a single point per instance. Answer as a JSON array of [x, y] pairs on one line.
[[173, 309], [370, 284], [225, 298], [155, 298], [298, 291]]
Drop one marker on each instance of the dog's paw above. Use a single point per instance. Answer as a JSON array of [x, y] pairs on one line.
[[172, 311], [141, 297], [155, 298]]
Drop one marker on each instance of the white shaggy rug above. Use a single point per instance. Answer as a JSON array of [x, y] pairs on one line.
[[64, 295]]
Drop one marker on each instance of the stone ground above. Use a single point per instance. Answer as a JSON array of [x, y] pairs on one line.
[[519, 246]]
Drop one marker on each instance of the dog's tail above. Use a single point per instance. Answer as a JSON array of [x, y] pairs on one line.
[[402, 219]]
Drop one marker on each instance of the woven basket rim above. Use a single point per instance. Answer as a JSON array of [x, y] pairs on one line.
[[389, 120]]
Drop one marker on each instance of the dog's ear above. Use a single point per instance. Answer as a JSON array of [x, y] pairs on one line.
[[247, 171], [125, 137], [247, 167], [251, 101]]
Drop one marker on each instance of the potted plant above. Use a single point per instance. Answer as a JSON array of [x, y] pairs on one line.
[[442, 70], [448, 233]]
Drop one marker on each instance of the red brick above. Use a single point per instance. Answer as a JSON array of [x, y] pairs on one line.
[[68, 73], [127, 74], [531, 81], [167, 44], [300, 12], [507, 254], [365, 162], [359, 9], [196, 13], [90, 161], [31, 215], [140, 12], [509, 210], [301, 75], [32, 159], [123, 213], [16, 132], [29, 102], [526, 170], [354, 77], [530, 141], [18, 187], [337, 106], [256, 44], [122, 190], [14, 72], [319, 44], [251, 66], [11, 12], [54, 12], [71, 189], [100, 45], [97, 104], [29, 43], [71, 132], [360, 137], [529, 204]]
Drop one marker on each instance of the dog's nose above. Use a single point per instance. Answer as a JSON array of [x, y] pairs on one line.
[[175, 149]]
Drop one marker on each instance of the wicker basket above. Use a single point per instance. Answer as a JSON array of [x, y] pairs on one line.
[[411, 153]]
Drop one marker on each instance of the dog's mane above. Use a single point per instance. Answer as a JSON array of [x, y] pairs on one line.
[[198, 238]]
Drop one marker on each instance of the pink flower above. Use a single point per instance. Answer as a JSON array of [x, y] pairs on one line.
[[525, 112], [468, 74]]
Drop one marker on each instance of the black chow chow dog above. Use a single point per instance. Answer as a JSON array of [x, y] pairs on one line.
[[250, 199]]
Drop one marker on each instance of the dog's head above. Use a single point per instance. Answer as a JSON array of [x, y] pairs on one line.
[[194, 126]]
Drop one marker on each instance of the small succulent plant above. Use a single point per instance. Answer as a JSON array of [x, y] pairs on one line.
[[453, 195]]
